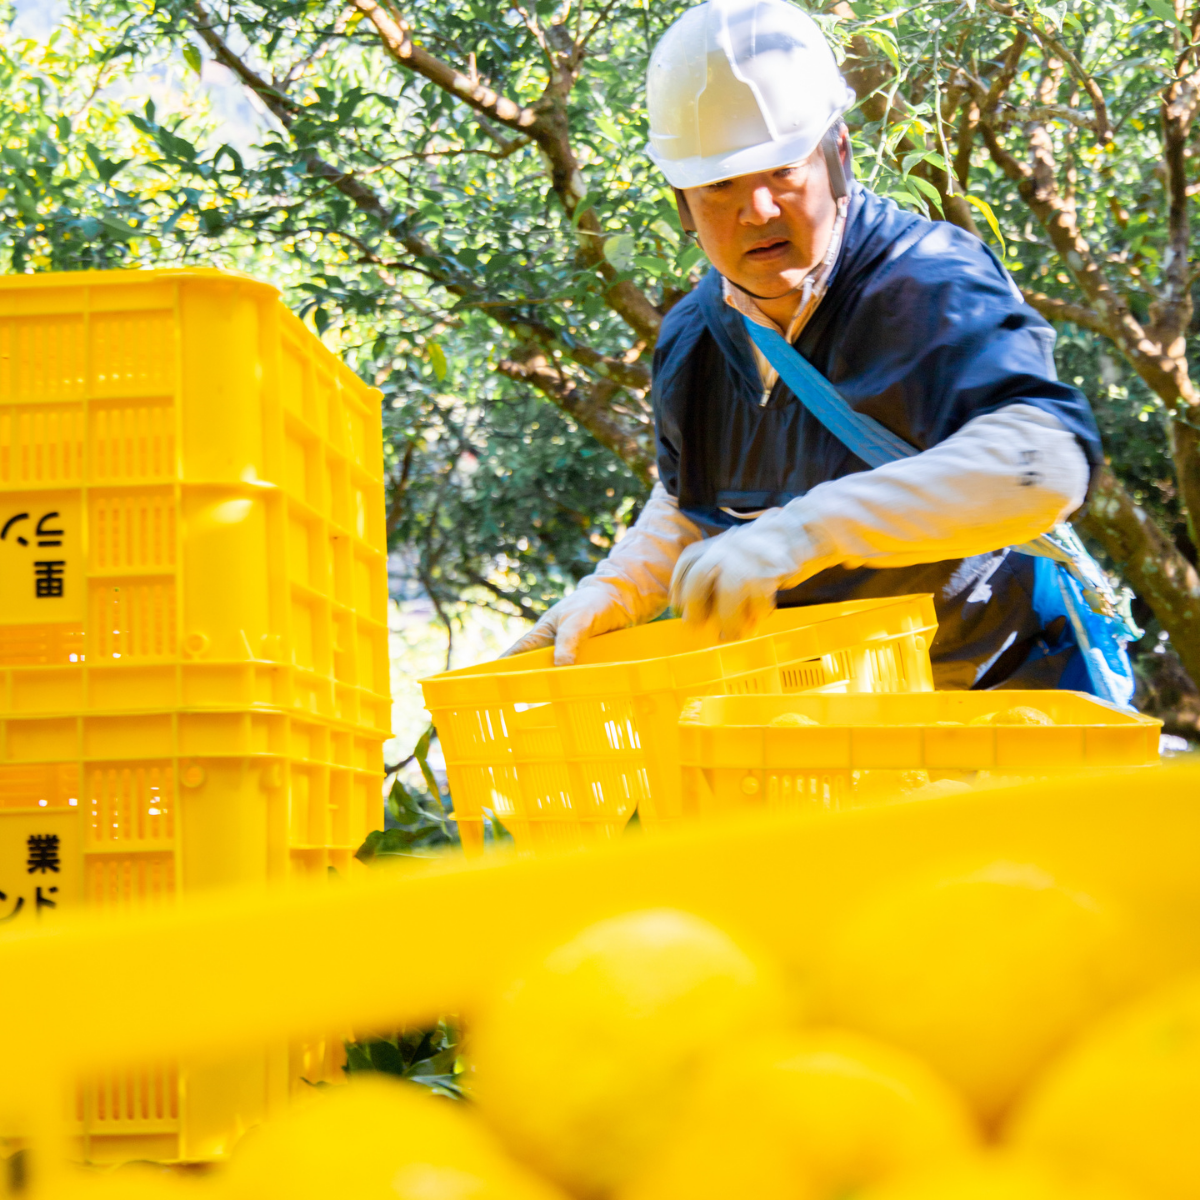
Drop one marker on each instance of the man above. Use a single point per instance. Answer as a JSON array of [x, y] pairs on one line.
[[914, 322]]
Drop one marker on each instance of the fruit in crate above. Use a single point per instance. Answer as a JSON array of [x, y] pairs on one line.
[[1126, 1097], [1019, 714], [792, 720], [985, 974], [806, 1116], [585, 1061], [377, 1139]]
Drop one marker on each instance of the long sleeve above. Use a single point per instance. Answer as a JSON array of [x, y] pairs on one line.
[[638, 571], [1001, 480]]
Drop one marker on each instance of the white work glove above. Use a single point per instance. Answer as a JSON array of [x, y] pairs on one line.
[[590, 610], [628, 587], [1001, 480], [731, 579]]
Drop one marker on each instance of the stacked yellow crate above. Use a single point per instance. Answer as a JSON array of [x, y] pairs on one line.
[[193, 637]]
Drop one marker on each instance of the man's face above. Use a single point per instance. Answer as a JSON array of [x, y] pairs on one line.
[[765, 231]]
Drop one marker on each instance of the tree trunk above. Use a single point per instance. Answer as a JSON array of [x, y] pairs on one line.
[[1150, 562]]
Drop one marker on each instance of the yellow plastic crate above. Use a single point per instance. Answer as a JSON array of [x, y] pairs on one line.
[[190, 485], [235, 969], [564, 755], [193, 641], [141, 809], [870, 748]]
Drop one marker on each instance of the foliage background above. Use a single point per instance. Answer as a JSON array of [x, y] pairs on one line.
[[501, 282]]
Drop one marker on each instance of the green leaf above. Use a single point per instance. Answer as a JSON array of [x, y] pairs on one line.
[[985, 208], [925, 188], [191, 56], [884, 40], [437, 360], [608, 127], [1163, 10], [421, 754], [619, 251], [655, 266], [689, 258], [665, 231]]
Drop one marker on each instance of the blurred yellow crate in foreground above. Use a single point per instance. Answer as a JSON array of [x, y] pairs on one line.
[[564, 755], [193, 639], [229, 971], [860, 749]]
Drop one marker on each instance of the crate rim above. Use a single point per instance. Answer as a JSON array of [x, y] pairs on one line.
[[116, 276], [696, 720], [478, 671]]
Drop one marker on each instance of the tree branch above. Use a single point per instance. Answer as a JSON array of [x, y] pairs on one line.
[[548, 126], [613, 371], [397, 39], [1054, 309], [1040, 113], [1040, 192], [1056, 47], [588, 407], [1005, 76], [1149, 561], [866, 71], [1173, 311], [515, 599]]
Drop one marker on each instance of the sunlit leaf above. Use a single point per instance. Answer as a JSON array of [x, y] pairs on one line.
[[620, 251], [437, 359], [994, 225]]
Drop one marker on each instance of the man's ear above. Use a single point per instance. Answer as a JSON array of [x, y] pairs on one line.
[[685, 213]]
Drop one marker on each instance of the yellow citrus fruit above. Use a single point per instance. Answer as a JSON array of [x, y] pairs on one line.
[[998, 1177], [583, 1063], [806, 1116], [984, 975], [1022, 714], [377, 1139], [1019, 714], [792, 720], [1127, 1097]]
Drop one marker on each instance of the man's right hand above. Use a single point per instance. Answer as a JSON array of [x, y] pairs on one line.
[[590, 610]]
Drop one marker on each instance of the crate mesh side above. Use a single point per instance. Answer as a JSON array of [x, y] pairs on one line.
[[133, 532], [42, 358], [132, 442], [133, 619], [137, 882], [131, 803], [41, 445], [133, 352]]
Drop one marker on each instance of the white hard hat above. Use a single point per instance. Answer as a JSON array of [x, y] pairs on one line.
[[740, 86]]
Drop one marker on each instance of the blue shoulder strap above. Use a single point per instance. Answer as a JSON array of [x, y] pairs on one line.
[[874, 443]]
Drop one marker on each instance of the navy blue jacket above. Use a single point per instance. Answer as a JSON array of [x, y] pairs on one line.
[[922, 329]]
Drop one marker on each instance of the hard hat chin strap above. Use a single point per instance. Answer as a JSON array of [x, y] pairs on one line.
[[838, 183]]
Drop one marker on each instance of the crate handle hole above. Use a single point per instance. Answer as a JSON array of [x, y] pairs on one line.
[[193, 776], [195, 644]]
